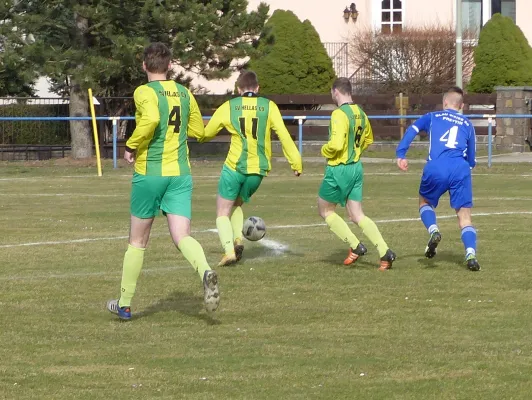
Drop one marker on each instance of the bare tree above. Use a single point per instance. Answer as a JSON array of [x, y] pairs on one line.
[[416, 60]]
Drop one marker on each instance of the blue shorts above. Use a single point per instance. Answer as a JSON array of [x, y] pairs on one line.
[[449, 175]]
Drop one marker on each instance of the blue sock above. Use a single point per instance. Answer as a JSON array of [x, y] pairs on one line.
[[428, 216], [469, 238]]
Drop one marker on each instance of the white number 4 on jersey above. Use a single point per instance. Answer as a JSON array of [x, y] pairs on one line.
[[450, 137]]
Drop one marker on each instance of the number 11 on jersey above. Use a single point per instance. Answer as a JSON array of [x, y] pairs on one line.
[[450, 137]]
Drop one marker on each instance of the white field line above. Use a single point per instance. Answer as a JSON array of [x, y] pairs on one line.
[[382, 221]]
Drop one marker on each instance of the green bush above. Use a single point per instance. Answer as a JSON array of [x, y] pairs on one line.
[[503, 57], [34, 132], [290, 57]]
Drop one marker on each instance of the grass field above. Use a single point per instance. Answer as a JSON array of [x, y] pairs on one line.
[[293, 323]]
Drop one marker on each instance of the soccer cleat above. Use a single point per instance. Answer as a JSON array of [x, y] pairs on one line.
[[211, 293], [387, 260], [355, 254], [122, 312], [435, 239], [239, 249], [228, 259], [472, 263]]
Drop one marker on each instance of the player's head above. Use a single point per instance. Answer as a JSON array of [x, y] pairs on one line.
[[247, 82], [453, 99], [341, 91], [157, 57]]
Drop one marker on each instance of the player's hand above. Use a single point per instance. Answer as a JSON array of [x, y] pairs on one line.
[[129, 156], [297, 173], [402, 163]]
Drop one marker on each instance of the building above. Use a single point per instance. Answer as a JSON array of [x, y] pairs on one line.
[[336, 21]]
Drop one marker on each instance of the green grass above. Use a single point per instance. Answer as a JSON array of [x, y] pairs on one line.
[[297, 325]]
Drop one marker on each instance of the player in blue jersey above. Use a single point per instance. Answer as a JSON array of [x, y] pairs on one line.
[[451, 159]]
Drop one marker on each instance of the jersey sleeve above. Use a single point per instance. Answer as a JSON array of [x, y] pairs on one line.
[[422, 124], [367, 135], [339, 126], [290, 150], [148, 110], [196, 129], [471, 148], [216, 123]]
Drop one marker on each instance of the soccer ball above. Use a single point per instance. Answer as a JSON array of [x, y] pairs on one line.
[[254, 229]]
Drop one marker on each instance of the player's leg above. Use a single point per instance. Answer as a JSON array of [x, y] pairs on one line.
[[229, 187], [330, 194], [145, 201], [354, 209], [371, 231], [249, 186], [237, 223], [461, 194], [431, 188], [177, 206]]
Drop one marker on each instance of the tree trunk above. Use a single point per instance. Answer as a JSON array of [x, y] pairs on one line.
[[80, 130]]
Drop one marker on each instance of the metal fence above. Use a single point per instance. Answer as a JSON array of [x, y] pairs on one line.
[[339, 54], [299, 118]]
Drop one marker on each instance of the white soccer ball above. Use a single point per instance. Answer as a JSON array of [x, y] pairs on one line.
[[254, 229]]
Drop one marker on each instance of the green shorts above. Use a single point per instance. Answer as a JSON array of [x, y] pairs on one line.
[[171, 194], [342, 182], [233, 184]]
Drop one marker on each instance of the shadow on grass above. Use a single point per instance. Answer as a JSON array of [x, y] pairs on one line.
[[443, 257], [186, 303]]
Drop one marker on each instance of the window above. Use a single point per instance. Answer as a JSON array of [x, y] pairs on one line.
[[472, 16], [391, 16], [504, 7]]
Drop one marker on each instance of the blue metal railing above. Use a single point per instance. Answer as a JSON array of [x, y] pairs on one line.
[[299, 118]]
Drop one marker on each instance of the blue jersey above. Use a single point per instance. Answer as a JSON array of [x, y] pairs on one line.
[[451, 135]]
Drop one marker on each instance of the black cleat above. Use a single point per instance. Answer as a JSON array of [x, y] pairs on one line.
[[472, 263], [434, 240], [387, 260]]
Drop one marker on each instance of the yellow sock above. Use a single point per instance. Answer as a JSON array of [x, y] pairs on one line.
[[225, 232], [133, 260], [237, 222], [193, 252], [340, 228], [373, 234]]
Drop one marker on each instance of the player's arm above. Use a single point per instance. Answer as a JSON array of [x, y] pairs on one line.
[[339, 126], [290, 150], [148, 109], [216, 123], [367, 135], [471, 148], [196, 129], [422, 124]]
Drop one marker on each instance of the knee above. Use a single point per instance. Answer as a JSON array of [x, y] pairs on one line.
[[464, 222], [324, 213]]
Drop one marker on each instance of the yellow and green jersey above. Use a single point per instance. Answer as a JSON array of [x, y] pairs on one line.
[[250, 120], [349, 135], [167, 113]]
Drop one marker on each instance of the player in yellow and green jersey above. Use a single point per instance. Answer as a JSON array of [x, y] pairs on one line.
[[167, 113], [249, 119], [349, 135]]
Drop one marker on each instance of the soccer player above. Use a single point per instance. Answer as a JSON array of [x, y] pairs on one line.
[[448, 168], [166, 114], [249, 119], [349, 135]]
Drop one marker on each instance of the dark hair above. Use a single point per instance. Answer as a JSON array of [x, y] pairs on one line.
[[157, 56], [247, 80], [343, 85]]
